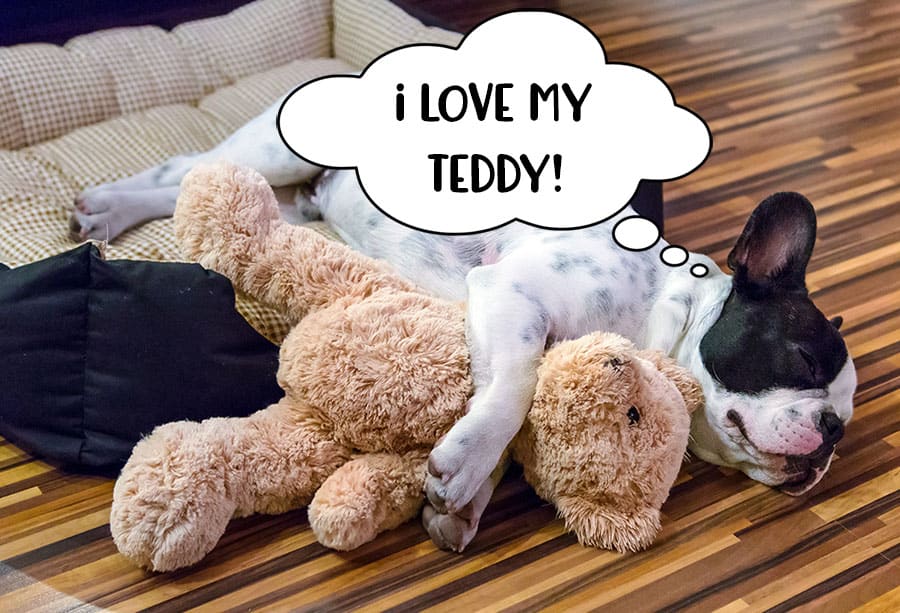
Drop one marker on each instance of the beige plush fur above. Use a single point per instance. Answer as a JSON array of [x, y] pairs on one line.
[[374, 373]]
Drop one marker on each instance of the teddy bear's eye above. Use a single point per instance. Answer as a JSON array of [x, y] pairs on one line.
[[633, 416]]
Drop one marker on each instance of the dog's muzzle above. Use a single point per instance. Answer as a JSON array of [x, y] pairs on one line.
[[808, 469], [804, 471]]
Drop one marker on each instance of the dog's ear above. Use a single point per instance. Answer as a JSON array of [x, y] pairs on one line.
[[774, 248], [837, 322]]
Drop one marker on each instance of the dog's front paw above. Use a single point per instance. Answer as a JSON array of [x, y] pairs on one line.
[[454, 531], [449, 531], [458, 465]]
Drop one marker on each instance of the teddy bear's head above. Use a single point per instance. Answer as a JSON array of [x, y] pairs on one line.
[[605, 437]]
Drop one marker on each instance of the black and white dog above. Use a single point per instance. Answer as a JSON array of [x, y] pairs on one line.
[[776, 373]]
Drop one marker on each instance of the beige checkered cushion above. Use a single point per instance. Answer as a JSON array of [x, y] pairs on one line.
[[145, 66], [259, 90], [258, 36], [46, 91], [250, 58], [364, 29], [122, 146], [37, 184]]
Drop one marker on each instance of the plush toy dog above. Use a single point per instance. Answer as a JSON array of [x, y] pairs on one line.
[[374, 373]]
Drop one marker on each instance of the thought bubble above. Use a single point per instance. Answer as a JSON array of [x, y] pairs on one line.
[[525, 120], [637, 233]]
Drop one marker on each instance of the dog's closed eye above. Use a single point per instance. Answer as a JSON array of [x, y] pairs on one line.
[[810, 362]]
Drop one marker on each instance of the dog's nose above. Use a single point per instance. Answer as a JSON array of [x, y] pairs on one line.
[[831, 427]]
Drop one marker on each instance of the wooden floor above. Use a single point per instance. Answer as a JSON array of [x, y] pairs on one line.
[[799, 95]]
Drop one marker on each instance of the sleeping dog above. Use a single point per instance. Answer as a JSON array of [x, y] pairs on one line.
[[775, 371]]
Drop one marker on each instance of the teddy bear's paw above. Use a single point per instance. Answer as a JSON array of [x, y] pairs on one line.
[[345, 513], [168, 511], [164, 535], [221, 204], [366, 496], [343, 525]]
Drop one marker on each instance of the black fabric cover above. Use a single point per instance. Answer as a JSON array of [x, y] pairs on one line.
[[96, 353]]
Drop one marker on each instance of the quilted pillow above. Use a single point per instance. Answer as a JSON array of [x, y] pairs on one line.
[[96, 353]]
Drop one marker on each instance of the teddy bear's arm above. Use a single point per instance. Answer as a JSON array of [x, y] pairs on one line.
[[227, 219]]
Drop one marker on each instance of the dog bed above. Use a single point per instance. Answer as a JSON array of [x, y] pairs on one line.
[[97, 353]]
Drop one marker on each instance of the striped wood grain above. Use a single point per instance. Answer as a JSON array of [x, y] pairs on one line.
[[799, 95]]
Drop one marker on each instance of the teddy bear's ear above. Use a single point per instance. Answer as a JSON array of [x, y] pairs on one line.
[[605, 525], [685, 382]]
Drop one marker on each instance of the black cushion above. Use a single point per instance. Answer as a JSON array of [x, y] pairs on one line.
[[96, 353]]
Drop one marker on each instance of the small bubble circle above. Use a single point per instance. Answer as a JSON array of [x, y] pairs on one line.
[[673, 255], [699, 270], [635, 233]]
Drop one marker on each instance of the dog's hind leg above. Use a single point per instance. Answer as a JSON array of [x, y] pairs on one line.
[[111, 212], [256, 145]]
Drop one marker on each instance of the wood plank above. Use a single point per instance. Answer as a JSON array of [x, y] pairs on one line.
[[824, 568], [19, 496]]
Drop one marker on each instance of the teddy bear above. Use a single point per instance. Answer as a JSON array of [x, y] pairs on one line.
[[374, 372]]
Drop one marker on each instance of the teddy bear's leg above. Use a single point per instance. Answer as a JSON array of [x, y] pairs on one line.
[[285, 452], [170, 504], [227, 219], [186, 480], [366, 496]]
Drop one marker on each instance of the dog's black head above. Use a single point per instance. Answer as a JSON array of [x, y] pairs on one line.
[[770, 333], [781, 370]]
